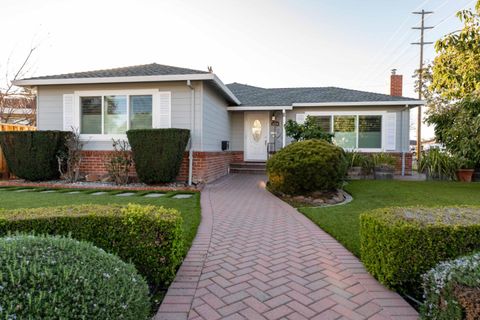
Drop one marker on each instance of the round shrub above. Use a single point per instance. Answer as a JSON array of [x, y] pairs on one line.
[[32, 155], [158, 153], [45, 277], [398, 245], [452, 290], [307, 166]]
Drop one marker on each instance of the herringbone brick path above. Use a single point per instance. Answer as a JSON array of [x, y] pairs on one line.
[[256, 257]]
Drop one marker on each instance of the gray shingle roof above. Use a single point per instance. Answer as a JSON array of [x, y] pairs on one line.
[[153, 69], [256, 96]]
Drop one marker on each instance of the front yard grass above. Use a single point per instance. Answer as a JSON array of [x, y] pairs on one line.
[[189, 208], [342, 222]]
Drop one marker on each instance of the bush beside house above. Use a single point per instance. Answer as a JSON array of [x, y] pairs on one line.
[[398, 245], [150, 237], [158, 153], [45, 277], [452, 290], [305, 167], [32, 155]]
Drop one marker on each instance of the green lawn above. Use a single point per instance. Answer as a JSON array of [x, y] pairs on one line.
[[189, 208], [342, 222]]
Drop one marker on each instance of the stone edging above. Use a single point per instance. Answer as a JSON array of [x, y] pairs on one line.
[[100, 187]]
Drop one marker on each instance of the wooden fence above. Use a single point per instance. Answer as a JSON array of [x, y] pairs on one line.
[[10, 127]]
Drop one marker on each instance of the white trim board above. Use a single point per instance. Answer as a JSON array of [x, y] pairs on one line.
[[362, 103], [259, 108]]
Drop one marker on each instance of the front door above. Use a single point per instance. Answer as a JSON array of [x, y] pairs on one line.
[[256, 136]]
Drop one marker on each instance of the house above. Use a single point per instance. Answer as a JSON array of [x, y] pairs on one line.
[[229, 123]]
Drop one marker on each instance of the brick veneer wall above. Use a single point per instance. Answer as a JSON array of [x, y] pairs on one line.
[[207, 166], [398, 166]]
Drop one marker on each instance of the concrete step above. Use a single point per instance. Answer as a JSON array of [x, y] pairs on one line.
[[248, 167], [248, 170]]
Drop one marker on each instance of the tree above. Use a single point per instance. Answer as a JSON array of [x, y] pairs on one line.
[[452, 87], [17, 105], [310, 129], [456, 68]]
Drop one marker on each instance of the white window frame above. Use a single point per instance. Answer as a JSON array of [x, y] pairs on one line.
[[356, 114], [102, 93]]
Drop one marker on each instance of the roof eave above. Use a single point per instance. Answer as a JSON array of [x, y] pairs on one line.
[[158, 78]]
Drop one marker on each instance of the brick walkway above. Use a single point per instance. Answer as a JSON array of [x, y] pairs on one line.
[[255, 257]]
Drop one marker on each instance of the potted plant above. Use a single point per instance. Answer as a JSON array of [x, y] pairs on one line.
[[465, 170], [384, 166]]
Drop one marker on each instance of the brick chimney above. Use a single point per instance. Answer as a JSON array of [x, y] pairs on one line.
[[396, 84]]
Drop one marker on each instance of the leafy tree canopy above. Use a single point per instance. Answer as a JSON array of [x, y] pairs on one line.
[[456, 68]]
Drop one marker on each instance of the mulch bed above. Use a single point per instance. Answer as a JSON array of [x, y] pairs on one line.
[[60, 184]]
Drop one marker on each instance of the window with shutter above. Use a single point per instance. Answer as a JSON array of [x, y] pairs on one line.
[[390, 131], [68, 112]]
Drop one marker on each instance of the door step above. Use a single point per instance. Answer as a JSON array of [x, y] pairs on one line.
[[248, 167]]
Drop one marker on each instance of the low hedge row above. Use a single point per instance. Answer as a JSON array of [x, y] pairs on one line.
[[398, 245], [32, 155], [158, 153], [452, 290], [148, 236], [46, 277]]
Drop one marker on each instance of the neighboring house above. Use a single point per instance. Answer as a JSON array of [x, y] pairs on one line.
[[104, 104], [17, 109]]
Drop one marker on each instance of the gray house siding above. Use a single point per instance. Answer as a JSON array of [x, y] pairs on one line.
[[237, 127], [216, 120], [50, 106], [49, 109]]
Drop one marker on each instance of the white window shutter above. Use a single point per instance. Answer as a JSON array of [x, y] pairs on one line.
[[390, 131], [162, 111], [68, 112], [300, 118]]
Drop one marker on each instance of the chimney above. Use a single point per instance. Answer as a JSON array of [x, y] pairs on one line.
[[396, 84]]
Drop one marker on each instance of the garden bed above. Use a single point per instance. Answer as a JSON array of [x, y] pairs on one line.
[[60, 184]]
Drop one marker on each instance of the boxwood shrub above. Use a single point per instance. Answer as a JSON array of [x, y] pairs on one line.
[[398, 245], [45, 277], [307, 166], [150, 237], [452, 290], [32, 155], [158, 153]]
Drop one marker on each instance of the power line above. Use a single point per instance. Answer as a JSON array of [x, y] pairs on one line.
[[422, 44]]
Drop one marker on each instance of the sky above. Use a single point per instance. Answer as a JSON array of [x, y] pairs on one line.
[[269, 43]]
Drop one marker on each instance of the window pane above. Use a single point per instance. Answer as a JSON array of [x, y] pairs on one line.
[[324, 122], [370, 132], [91, 115], [344, 131], [115, 114], [140, 112]]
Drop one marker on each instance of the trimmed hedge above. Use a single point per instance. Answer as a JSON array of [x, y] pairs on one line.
[[452, 290], [45, 277], [32, 155], [150, 237], [398, 245], [307, 166], [158, 153]]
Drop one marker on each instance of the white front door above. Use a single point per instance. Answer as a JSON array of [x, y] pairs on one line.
[[256, 136]]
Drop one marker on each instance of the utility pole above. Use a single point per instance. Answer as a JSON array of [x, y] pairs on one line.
[[422, 43]]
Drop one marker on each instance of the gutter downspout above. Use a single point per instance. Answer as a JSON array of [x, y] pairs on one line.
[[402, 137], [284, 119], [192, 132]]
